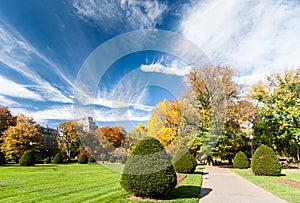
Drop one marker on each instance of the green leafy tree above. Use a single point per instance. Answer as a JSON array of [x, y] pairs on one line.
[[278, 119], [23, 136]]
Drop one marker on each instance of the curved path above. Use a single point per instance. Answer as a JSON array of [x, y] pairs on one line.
[[223, 185]]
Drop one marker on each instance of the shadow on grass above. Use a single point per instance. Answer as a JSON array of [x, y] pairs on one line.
[[185, 191]]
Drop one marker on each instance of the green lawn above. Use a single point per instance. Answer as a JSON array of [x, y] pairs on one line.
[[269, 183], [76, 183]]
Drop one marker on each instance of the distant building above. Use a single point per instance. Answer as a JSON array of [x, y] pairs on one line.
[[49, 137], [88, 123]]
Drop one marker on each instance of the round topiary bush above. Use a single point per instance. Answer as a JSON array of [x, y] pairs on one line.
[[2, 159], [240, 160], [27, 159], [58, 159], [184, 162], [123, 159], [83, 159], [112, 159], [148, 171], [92, 159], [265, 162]]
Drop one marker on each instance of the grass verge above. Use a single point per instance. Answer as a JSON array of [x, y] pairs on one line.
[[284, 191], [76, 183]]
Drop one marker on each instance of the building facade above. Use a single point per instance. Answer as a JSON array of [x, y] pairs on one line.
[[49, 136], [89, 125]]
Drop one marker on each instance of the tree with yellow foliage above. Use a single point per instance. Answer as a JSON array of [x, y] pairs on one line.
[[23, 136], [164, 121]]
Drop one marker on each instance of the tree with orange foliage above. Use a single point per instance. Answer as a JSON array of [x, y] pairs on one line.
[[114, 135]]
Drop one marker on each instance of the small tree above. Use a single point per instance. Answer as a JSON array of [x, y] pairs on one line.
[[240, 160], [184, 162], [265, 162], [27, 159], [83, 159], [58, 159], [148, 171]]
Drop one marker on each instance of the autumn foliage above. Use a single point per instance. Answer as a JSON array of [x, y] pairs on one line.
[[114, 135]]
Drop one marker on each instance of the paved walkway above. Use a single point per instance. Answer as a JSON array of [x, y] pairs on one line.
[[222, 185]]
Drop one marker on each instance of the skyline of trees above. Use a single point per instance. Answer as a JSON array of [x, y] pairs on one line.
[[214, 118]]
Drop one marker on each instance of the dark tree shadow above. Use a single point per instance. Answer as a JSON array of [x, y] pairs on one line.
[[204, 192], [201, 172], [185, 191]]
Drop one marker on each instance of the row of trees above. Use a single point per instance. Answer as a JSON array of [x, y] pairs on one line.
[[217, 116]]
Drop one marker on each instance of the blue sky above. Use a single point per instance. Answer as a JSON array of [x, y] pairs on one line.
[[43, 45]]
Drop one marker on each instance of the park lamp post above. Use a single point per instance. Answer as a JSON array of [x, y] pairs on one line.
[[30, 144], [251, 143]]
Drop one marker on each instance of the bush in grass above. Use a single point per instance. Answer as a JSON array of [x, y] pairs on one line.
[[123, 159], [92, 159], [112, 159], [148, 171], [47, 160], [240, 160], [58, 159], [83, 159], [27, 159], [265, 162], [184, 162], [2, 159]]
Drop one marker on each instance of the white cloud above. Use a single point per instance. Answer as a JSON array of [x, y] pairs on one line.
[[16, 53], [10, 88], [175, 68], [256, 37], [139, 14]]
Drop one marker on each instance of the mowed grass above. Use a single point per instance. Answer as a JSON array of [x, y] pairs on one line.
[[270, 183], [76, 183]]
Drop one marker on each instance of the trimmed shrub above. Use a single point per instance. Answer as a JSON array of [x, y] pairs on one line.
[[148, 171], [47, 160], [123, 159], [265, 162], [27, 159], [184, 162], [83, 159], [2, 159], [112, 159], [240, 160], [58, 159], [92, 159]]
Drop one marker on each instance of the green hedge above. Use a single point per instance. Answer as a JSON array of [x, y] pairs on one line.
[[83, 159], [148, 171], [240, 160], [265, 162], [27, 159], [184, 162], [58, 159]]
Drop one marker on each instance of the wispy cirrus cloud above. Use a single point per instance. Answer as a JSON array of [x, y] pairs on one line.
[[138, 14], [256, 37], [10, 88], [18, 54]]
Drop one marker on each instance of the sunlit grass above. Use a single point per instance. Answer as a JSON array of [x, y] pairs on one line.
[[76, 183]]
